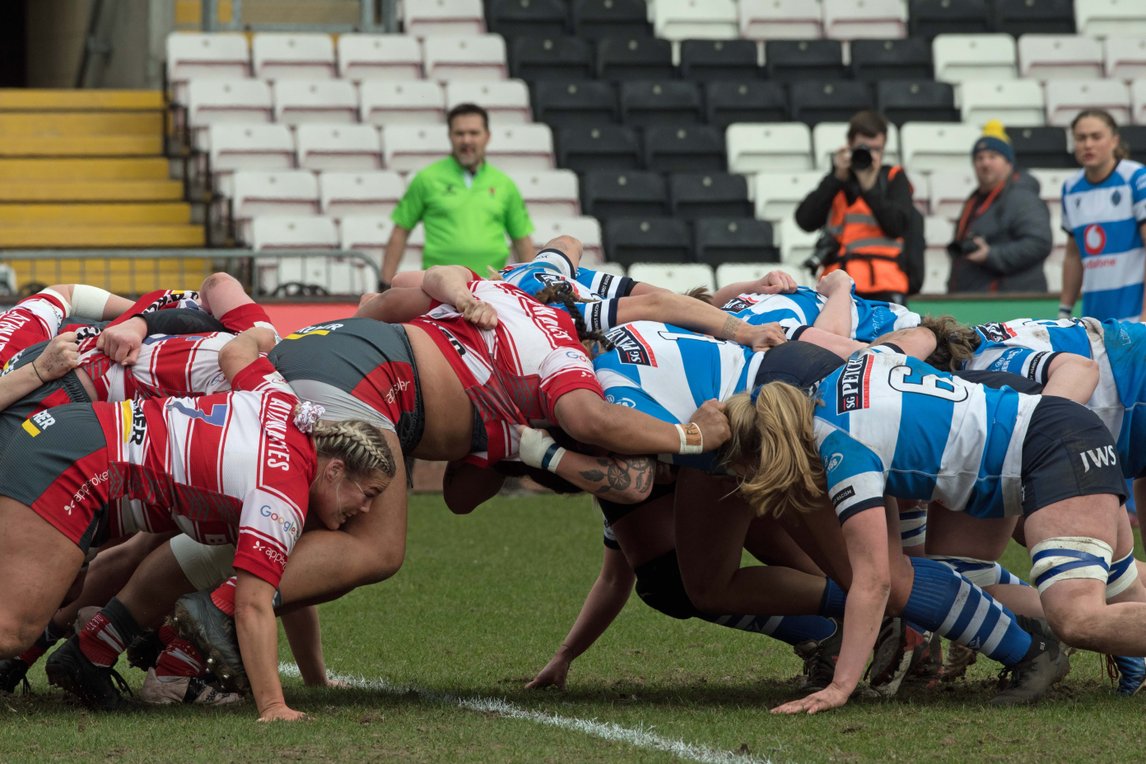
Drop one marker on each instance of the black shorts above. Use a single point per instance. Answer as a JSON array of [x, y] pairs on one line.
[[997, 379], [801, 364], [57, 392], [1068, 452]]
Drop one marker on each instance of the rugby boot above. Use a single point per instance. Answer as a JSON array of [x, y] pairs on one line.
[[895, 647], [184, 689], [1027, 681], [99, 687], [819, 659], [212, 631], [1129, 671], [13, 672]]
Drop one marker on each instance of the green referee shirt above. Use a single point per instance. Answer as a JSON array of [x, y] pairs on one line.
[[464, 225]]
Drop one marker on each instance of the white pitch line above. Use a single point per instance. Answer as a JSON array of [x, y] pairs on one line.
[[637, 737]]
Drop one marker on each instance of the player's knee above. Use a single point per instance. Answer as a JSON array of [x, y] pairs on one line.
[[659, 586], [15, 636]]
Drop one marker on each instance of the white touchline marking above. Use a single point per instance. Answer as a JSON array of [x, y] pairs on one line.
[[638, 737]]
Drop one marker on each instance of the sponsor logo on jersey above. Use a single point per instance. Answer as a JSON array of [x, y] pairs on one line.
[[216, 417], [1098, 457], [621, 401], [843, 495], [852, 386], [835, 461], [1004, 361], [272, 554], [1036, 362], [739, 303], [1093, 239], [278, 412], [319, 329], [134, 425], [605, 284], [631, 347], [396, 389], [289, 526], [38, 423], [84, 492], [996, 331]]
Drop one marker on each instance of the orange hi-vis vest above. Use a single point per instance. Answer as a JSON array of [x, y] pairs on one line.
[[868, 254]]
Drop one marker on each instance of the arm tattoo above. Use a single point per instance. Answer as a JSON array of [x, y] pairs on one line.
[[616, 475], [728, 331]]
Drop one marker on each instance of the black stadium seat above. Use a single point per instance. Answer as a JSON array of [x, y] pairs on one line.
[[759, 101], [928, 18], [648, 239], [551, 58], [923, 100], [532, 18], [1134, 136], [566, 104], [709, 194], [598, 147], [612, 193], [634, 58], [695, 148], [665, 102], [798, 60], [1016, 17], [815, 102], [1040, 147], [712, 60], [611, 18], [907, 59], [734, 240]]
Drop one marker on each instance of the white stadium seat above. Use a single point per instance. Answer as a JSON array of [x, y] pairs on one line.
[[249, 147], [1015, 102], [297, 232], [777, 194], [1125, 57], [379, 56], [411, 102], [278, 55], [676, 278], [920, 191], [409, 148], [960, 57], [936, 269], [214, 101], [549, 193], [928, 146], [338, 147], [1066, 98], [288, 193], [440, 17], [870, 19], [342, 194], [1067, 57], [480, 57], [521, 147], [781, 19], [796, 244], [1138, 101], [191, 55], [1050, 189], [735, 273], [335, 274], [937, 233], [949, 189], [696, 19], [507, 101], [328, 101], [1103, 18], [759, 147], [586, 229], [370, 233]]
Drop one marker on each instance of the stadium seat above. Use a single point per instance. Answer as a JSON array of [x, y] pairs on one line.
[[1125, 57], [379, 57], [796, 244], [729, 102], [768, 147], [1108, 18], [338, 147], [409, 148], [329, 101], [1015, 102], [960, 57], [777, 194], [937, 234], [920, 191], [696, 19], [343, 194], [803, 60], [928, 146], [734, 240], [549, 193], [1138, 102], [814, 102], [594, 19], [334, 274], [249, 147], [258, 193], [665, 102], [696, 148], [676, 278], [585, 229], [205, 56], [878, 60], [719, 60], [369, 234], [781, 19], [237, 101], [928, 18], [404, 102], [521, 147], [1016, 17], [465, 57], [916, 101], [949, 189], [298, 232], [634, 58], [552, 58], [871, 19], [599, 147], [1047, 57], [1065, 98], [1052, 266], [536, 18], [829, 137], [611, 193], [1050, 188], [1040, 146], [735, 273], [507, 101], [936, 269], [278, 55], [695, 195], [444, 17], [630, 240], [1135, 136], [575, 104]]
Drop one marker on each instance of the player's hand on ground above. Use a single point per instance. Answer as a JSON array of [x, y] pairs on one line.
[[714, 427], [121, 342], [479, 313], [553, 675], [280, 712], [826, 699], [60, 356]]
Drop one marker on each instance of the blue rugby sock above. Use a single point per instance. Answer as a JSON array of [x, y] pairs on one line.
[[792, 629]]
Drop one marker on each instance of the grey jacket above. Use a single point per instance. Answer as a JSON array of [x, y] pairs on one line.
[[1017, 228]]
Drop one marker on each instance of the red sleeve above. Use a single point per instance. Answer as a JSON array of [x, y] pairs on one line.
[[261, 376], [564, 370], [160, 299], [244, 317]]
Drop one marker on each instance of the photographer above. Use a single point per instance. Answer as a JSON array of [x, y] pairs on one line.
[[1003, 235], [865, 209]]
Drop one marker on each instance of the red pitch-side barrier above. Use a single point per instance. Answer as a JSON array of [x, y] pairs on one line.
[[288, 317]]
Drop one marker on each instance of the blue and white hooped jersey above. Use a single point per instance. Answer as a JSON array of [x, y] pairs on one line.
[[1027, 347], [870, 318], [887, 423], [1105, 220], [597, 292]]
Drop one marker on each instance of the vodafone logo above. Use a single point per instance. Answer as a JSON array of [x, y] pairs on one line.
[[1093, 239]]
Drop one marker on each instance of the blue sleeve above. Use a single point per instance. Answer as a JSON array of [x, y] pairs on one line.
[[1032, 364], [1138, 191], [855, 475]]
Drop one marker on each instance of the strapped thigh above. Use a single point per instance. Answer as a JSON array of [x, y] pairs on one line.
[[1069, 557]]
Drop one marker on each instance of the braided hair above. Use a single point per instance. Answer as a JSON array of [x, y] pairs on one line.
[[562, 292], [358, 444]]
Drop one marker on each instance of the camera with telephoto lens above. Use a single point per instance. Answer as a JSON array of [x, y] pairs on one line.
[[861, 157], [962, 247]]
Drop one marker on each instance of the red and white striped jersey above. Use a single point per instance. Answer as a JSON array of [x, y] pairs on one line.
[[516, 372], [223, 468], [168, 366], [34, 319]]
